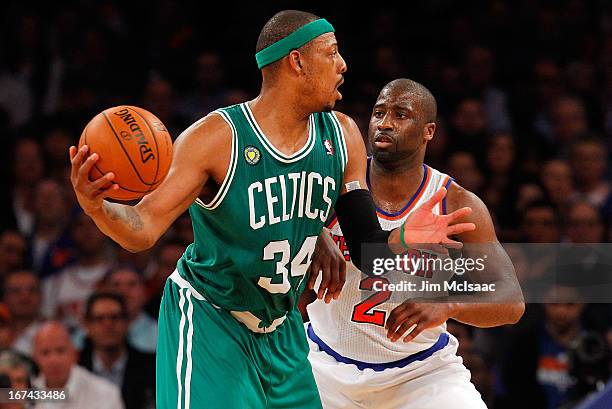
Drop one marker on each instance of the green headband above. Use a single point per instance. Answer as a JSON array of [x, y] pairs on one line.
[[298, 38]]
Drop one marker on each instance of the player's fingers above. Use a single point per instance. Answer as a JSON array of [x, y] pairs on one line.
[[434, 200], [398, 315], [106, 192], [406, 325], [460, 228], [342, 278], [100, 183], [76, 159], [457, 214], [452, 244], [415, 332], [326, 277], [393, 318], [72, 151], [79, 155], [85, 168], [314, 273], [333, 284], [437, 249]]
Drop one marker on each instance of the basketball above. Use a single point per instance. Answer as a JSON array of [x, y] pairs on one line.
[[133, 144]]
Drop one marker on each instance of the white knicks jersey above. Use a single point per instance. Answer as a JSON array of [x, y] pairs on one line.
[[354, 325]]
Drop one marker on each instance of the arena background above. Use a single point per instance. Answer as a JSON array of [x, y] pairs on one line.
[[525, 118]]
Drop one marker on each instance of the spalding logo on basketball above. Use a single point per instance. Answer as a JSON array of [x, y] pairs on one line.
[[134, 144]]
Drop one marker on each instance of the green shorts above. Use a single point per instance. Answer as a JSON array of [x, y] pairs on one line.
[[208, 359]]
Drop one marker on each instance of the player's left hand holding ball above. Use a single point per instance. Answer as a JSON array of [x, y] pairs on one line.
[[90, 194]]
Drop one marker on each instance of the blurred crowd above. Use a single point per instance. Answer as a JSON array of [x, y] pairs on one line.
[[524, 90]]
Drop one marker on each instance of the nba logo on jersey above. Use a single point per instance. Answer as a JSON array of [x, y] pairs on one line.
[[328, 147]]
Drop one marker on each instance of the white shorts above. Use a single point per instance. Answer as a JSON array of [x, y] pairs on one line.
[[439, 381]]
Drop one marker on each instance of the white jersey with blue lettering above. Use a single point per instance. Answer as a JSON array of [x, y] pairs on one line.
[[354, 325]]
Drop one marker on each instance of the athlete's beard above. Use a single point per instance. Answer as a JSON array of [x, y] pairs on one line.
[[388, 158], [391, 160]]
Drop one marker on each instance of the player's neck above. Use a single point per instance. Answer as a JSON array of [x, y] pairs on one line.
[[281, 120], [392, 186]]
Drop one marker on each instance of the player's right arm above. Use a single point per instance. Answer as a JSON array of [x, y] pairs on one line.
[[200, 152]]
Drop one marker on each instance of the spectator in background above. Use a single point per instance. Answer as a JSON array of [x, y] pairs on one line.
[[56, 358], [142, 329], [557, 179], [590, 166], [55, 144], [17, 368], [469, 129], [50, 241], [537, 368], [580, 77], [22, 296], [167, 254], [584, 265], [541, 223], [479, 68], [16, 98], [464, 334], [584, 224], [142, 261], [528, 193], [12, 251], [28, 168], [501, 186], [387, 63], [463, 168], [436, 155], [183, 230], [548, 88], [108, 354], [6, 328], [568, 123], [160, 99], [482, 376], [65, 293], [209, 93]]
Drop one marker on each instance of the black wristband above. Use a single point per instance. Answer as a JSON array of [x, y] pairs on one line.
[[357, 217]]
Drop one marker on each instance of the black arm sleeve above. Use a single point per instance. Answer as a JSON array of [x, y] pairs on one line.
[[357, 217]]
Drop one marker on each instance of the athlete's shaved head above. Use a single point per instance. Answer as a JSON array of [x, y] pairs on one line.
[[429, 108], [403, 121], [281, 25]]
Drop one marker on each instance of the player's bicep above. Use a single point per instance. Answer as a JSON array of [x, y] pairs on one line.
[[355, 171], [201, 151], [459, 197], [481, 243]]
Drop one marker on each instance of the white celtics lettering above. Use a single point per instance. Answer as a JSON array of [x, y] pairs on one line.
[[302, 188]]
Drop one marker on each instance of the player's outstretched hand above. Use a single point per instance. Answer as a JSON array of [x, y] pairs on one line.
[[421, 315], [90, 194], [422, 226], [328, 261]]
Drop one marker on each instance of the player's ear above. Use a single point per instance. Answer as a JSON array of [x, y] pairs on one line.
[[295, 61], [429, 131]]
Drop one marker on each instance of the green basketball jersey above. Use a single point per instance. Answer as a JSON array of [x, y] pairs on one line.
[[254, 241]]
